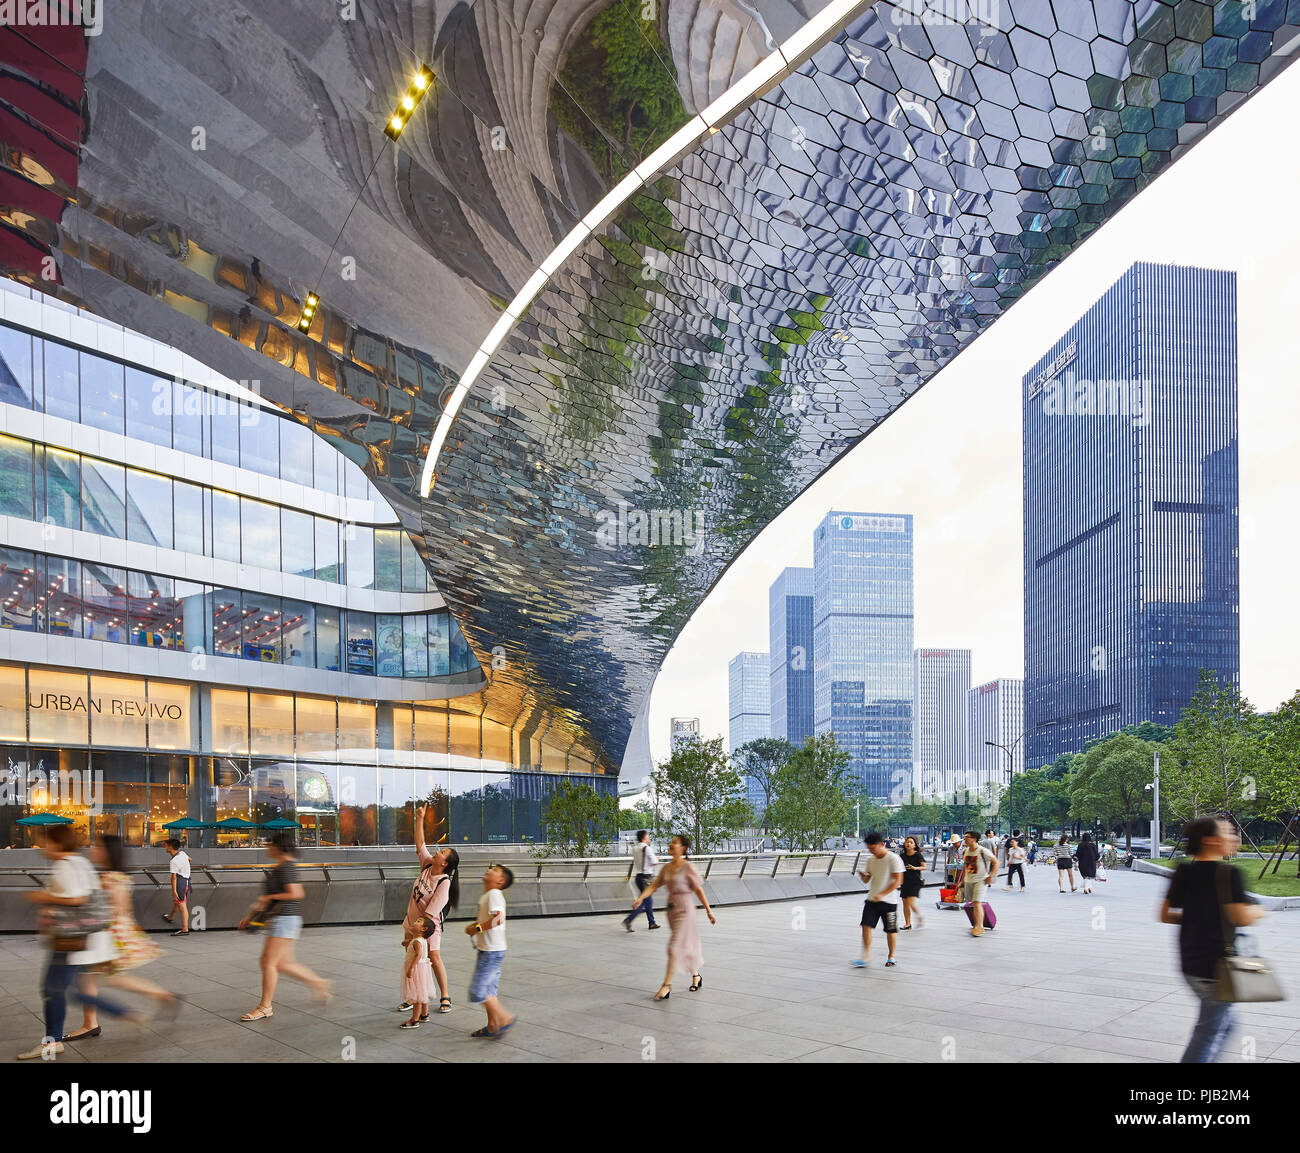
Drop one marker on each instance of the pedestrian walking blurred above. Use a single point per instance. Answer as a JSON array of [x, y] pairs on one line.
[[884, 873], [1016, 857], [644, 863], [131, 945], [1208, 903], [282, 901]]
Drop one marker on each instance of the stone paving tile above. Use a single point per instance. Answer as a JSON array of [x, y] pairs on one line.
[[1045, 986]]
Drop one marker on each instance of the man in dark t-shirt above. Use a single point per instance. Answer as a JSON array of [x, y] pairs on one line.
[[1204, 893]]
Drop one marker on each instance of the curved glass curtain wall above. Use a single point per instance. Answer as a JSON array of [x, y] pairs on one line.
[[74, 490], [60, 596]]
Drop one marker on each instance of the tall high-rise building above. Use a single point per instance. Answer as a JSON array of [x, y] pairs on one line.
[[747, 692], [862, 644], [1130, 509], [994, 712], [683, 729], [942, 680], [790, 622]]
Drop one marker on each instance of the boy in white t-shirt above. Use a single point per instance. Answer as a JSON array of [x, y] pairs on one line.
[[884, 873], [180, 872], [489, 934]]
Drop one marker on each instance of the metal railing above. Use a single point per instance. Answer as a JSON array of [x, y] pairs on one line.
[[722, 866]]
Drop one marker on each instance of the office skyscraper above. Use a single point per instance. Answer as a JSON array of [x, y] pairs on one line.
[[1130, 508], [994, 712], [790, 621], [747, 693], [862, 644], [942, 680]]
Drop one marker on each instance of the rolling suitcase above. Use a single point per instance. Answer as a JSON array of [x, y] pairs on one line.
[[990, 919]]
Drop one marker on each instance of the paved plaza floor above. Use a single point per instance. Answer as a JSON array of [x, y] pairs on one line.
[[1063, 978]]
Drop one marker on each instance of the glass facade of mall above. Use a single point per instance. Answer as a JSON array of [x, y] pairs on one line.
[[862, 644], [1130, 509], [207, 612]]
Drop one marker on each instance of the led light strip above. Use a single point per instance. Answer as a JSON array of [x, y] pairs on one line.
[[768, 71]]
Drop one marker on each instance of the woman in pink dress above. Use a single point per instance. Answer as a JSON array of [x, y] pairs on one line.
[[683, 883], [417, 977]]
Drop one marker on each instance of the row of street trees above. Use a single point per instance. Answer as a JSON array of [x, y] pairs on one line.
[[1221, 758]]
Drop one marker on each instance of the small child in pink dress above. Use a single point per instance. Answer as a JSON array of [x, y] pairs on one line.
[[417, 975]]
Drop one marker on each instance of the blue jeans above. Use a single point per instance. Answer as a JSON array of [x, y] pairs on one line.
[[647, 906], [1212, 1026], [59, 975]]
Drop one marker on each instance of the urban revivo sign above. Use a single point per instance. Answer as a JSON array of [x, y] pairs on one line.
[[1063, 358], [114, 706]]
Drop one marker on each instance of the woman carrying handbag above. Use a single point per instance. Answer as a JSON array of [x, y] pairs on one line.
[[1208, 903]]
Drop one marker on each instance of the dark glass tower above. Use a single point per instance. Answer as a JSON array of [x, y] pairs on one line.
[[1130, 506], [790, 622]]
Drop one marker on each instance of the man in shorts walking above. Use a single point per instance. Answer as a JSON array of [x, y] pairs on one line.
[[180, 874], [979, 867], [884, 873]]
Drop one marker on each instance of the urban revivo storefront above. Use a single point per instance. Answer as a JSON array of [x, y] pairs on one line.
[[127, 754]]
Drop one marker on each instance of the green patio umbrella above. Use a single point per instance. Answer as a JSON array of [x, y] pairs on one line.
[[235, 825], [186, 823], [281, 823], [44, 819]]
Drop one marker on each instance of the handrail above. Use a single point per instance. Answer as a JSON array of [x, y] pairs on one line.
[[833, 858]]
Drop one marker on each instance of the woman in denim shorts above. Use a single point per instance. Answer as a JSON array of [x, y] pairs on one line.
[[283, 928]]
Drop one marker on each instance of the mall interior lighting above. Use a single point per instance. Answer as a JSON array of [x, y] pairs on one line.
[[406, 106]]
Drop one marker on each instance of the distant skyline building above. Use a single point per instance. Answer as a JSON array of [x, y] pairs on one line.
[[862, 644], [747, 694], [942, 680], [994, 712], [1130, 509], [683, 729], [790, 646]]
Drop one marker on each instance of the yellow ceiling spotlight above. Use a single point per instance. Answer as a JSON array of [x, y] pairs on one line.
[[406, 106], [308, 311]]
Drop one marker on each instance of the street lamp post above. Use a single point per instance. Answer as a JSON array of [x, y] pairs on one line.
[[857, 820], [1011, 777]]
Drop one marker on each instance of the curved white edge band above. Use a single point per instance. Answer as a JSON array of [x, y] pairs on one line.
[[773, 67]]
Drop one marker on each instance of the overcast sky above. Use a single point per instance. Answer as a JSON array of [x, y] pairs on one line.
[[951, 456]]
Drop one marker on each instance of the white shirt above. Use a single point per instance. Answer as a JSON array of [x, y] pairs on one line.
[[181, 864], [881, 870], [1017, 855], [75, 877], [644, 859], [491, 940]]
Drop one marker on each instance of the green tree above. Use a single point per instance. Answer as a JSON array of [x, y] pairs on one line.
[[762, 759], [813, 794], [577, 818], [639, 816], [870, 816], [1216, 752], [702, 791], [1279, 767], [1110, 784], [963, 810], [917, 812]]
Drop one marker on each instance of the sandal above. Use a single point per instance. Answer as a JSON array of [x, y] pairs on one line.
[[697, 983], [444, 1004], [483, 1032], [258, 1014], [409, 1025], [666, 995]]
